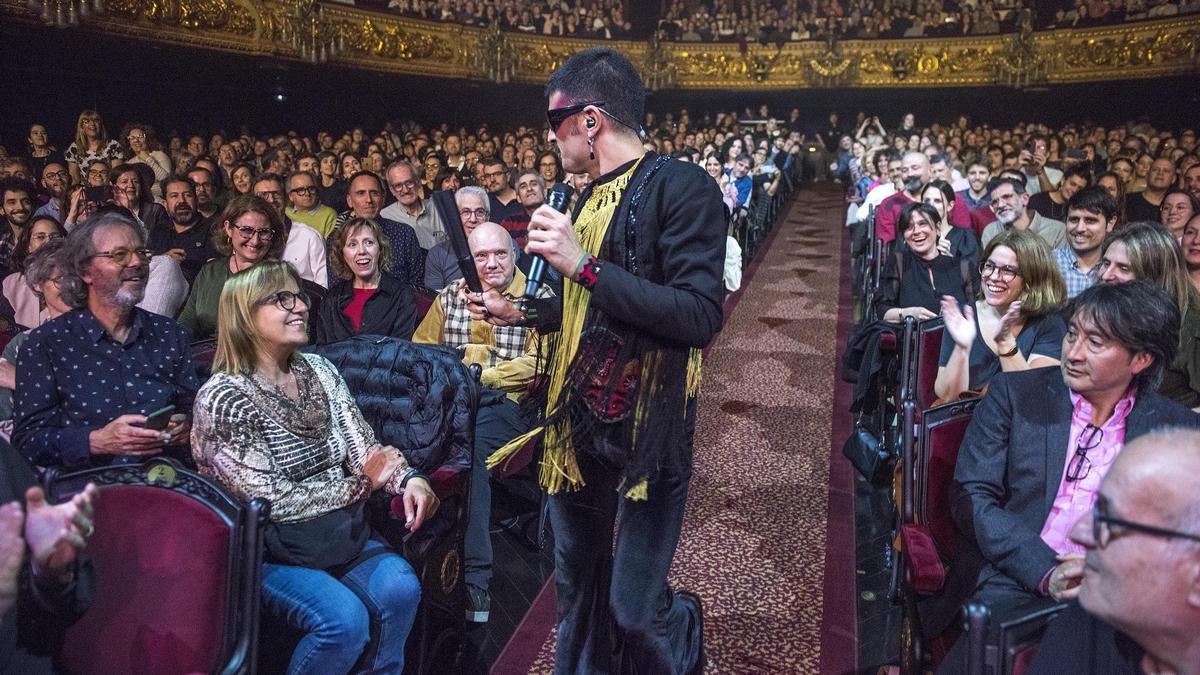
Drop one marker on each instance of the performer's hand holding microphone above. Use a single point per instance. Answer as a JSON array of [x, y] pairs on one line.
[[552, 236], [557, 200]]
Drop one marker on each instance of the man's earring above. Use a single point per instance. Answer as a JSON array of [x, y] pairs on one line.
[[591, 148]]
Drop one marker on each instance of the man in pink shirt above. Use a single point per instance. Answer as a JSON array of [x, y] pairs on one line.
[[1042, 440]]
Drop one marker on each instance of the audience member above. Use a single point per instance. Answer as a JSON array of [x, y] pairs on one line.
[[509, 357], [16, 206], [42, 279], [206, 193], [305, 207], [365, 199], [975, 195], [1145, 204], [281, 425], [185, 238], [501, 195], [1191, 249], [914, 174], [87, 379], [1177, 208], [45, 582], [1191, 180], [1052, 204], [1013, 325], [1115, 188], [303, 247], [1143, 519], [410, 208], [23, 301], [139, 145], [531, 193], [54, 186], [1091, 215], [251, 232], [441, 265], [918, 274], [366, 300], [91, 144], [1010, 204], [1146, 252], [955, 241], [1041, 441]]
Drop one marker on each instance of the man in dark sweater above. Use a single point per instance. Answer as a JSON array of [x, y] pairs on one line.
[[189, 239]]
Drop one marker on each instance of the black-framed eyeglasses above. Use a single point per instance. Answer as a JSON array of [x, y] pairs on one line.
[[121, 256], [1080, 466], [478, 214], [304, 190], [1103, 522], [1007, 273], [286, 300]]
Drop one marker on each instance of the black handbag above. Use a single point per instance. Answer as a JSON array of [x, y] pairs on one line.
[[865, 452], [326, 542]]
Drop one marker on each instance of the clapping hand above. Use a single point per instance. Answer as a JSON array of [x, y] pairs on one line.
[[959, 323], [56, 534], [1007, 323]]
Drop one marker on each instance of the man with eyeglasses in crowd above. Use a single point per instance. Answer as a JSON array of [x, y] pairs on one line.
[[1041, 441], [409, 208], [55, 180], [1010, 203], [441, 265], [1139, 600], [365, 199], [501, 194], [305, 207], [304, 249], [86, 380]]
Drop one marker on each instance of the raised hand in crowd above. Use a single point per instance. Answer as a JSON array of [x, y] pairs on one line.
[[960, 323]]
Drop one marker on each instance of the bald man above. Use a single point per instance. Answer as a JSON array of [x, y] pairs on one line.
[[914, 171], [1139, 599], [508, 355]]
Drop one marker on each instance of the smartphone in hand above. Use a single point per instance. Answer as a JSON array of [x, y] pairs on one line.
[[159, 419]]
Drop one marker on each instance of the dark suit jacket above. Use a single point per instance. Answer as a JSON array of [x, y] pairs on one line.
[[1011, 463]]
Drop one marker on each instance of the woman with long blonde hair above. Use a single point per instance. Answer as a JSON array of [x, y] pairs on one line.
[[91, 143]]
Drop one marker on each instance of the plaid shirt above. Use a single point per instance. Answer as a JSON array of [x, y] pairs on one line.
[[1077, 279], [481, 342]]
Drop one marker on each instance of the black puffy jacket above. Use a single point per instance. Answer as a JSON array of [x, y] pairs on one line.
[[418, 398]]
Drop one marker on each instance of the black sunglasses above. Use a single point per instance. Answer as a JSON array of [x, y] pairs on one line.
[[556, 116]]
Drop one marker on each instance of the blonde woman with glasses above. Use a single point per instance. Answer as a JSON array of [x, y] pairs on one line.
[[91, 143]]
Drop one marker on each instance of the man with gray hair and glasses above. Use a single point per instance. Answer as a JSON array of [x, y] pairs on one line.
[[409, 208], [107, 382], [441, 265], [1139, 600]]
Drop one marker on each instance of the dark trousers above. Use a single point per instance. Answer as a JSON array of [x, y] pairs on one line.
[[497, 422], [616, 613]]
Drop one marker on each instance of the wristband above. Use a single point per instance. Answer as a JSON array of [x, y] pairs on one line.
[[411, 474], [1011, 352], [587, 274]]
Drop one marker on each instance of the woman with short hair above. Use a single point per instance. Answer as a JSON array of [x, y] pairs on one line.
[[1013, 325], [918, 274], [23, 298], [367, 300], [281, 425]]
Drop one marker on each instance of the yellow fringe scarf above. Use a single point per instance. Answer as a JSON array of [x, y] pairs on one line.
[[559, 466]]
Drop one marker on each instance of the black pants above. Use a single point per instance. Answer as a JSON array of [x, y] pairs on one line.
[[616, 613], [497, 422]]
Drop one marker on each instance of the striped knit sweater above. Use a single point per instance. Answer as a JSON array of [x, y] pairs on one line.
[[250, 453]]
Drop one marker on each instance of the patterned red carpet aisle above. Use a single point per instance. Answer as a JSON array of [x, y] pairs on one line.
[[754, 539]]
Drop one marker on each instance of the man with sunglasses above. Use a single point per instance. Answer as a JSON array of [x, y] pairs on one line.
[[1042, 440], [87, 380], [1139, 601], [644, 252]]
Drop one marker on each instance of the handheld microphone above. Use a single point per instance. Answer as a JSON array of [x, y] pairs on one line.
[[557, 199]]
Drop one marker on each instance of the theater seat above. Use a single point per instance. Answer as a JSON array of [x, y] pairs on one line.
[[1006, 642], [177, 567]]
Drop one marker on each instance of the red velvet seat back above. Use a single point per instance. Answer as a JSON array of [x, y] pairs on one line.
[[1023, 659], [929, 349], [945, 427], [162, 563]]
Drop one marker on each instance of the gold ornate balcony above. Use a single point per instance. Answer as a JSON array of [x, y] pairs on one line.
[[396, 44]]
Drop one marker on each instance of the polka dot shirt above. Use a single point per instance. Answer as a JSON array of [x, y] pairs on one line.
[[73, 378]]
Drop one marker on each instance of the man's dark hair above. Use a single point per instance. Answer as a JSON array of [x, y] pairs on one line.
[[1140, 316], [176, 179], [602, 74], [15, 184], [491, 161], [1081, 170], [1094, 199], [211, 178], [1017, 186], [273, 154], [906, 216], [277, 179]]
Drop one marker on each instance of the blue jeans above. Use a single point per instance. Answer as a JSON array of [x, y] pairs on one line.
[[366, 614]]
